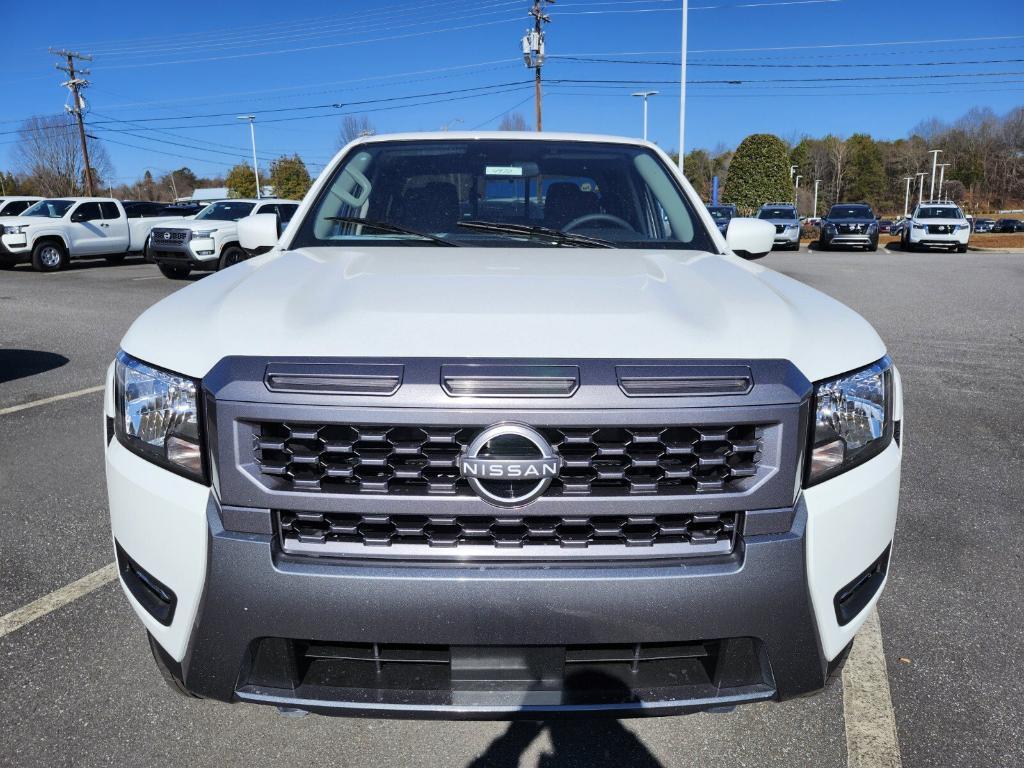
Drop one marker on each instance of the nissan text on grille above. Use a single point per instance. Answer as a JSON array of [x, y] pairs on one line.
[[479, 376]]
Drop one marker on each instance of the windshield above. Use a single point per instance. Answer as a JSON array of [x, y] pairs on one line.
[[621, 194], [721, 212], [777, 213], [51, 209], [939, 212], [850, 212], [226, 211]]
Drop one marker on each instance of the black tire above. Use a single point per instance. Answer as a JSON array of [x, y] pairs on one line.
[[961, 248], [231, 255], [159, 656], [7, 263], [173, 272], [873, 248], [49, 256], [115, 258], [824, 246]]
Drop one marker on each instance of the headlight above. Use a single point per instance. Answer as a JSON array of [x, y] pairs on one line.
[[204, 233], [830, 227], [158, 416], [852, 420], [872, 227], [18, 230], [919, 226], [792, 226]]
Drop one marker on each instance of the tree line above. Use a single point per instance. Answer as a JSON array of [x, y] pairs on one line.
[[985, 152]]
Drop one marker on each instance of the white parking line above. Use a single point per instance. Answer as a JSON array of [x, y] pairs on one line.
[[871, 740], [58, 598], [54, 399]]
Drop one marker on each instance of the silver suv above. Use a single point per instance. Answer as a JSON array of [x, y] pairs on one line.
[[786, 221]]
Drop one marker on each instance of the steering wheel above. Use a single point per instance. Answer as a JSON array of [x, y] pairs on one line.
[[590, 217]]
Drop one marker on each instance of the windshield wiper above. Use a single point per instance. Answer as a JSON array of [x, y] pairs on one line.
[[530, 230], [393, 229]]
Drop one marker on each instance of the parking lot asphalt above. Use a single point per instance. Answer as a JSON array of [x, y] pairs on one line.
[[80, 688]]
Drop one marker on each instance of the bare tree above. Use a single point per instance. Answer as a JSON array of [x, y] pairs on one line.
[[48, 152], [837, 154], [512, 121], [354, 126]]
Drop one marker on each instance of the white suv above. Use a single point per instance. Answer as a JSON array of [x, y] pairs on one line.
[[936, 225]]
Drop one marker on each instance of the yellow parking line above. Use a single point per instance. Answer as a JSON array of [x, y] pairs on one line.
[[58, 598], [54, 399], [871, 740]]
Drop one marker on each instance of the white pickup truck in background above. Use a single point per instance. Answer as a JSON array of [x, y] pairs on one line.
[[208, 241], [53, 231], [15, 205]]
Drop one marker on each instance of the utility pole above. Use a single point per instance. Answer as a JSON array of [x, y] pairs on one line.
[[682, 88], [906, 197], [644, 95], [174, 187], [935, 159], [817, 183], [533, 50], [942, 176], [920, 184], [252, 134], [75, 84]]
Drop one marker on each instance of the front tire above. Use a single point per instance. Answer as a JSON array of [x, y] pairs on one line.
[[49, 256], [961, 248], [231, 255], [173, 272]]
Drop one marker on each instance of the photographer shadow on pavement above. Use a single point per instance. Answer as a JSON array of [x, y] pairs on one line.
[[22, 363], [594, 743]]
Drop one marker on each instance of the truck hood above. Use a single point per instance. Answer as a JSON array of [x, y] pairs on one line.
[[202, 224], [939, 222], [494, 302]]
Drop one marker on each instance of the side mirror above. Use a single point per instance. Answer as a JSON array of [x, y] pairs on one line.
[[79, 216], [258, 232], [750, 238]]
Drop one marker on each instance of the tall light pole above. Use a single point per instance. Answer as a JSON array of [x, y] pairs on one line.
[[644, 95], [942, 176], [935, 159], [252, 134], [445, 127], [817, 183], [796, 193], [792, 170], [906, 197], [682, 89], [920, 185]]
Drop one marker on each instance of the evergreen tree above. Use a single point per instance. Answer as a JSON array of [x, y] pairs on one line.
[[758, 173]]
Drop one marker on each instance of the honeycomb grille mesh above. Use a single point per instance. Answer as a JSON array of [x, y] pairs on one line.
[[364, 459], [709, 530]]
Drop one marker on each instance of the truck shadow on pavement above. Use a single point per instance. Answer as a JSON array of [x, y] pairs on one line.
[[593, 743], [22, 363]]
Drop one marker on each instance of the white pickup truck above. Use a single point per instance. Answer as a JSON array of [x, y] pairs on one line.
[[15, 205], [53, 231], [502, 426], [209, 240]]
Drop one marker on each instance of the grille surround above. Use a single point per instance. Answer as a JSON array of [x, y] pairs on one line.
[[533, 537], [393, 460], [177, 236]]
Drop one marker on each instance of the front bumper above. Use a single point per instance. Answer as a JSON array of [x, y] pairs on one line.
[[788, 237], [14, 245], [940, 240], [200, 254]]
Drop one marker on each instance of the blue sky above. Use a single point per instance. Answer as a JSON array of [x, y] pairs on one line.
[[788, 67]]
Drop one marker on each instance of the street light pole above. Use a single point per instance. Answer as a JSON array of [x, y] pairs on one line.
[[817, 182], [792, 170], [942, 176], [906, 197], [796, 193], [644, 95], [920, 184], [682, 89], [252, 135], [935, 159]]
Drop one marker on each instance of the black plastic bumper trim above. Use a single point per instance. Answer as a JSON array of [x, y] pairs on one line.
[[158, 600], [854, 597]]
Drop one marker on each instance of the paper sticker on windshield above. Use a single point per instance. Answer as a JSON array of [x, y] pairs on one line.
[[503, 170]]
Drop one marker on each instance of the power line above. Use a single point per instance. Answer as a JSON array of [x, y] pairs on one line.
[[759, 65]]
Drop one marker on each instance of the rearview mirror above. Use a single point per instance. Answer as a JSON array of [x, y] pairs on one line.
[[257, 232], [750, 238]]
